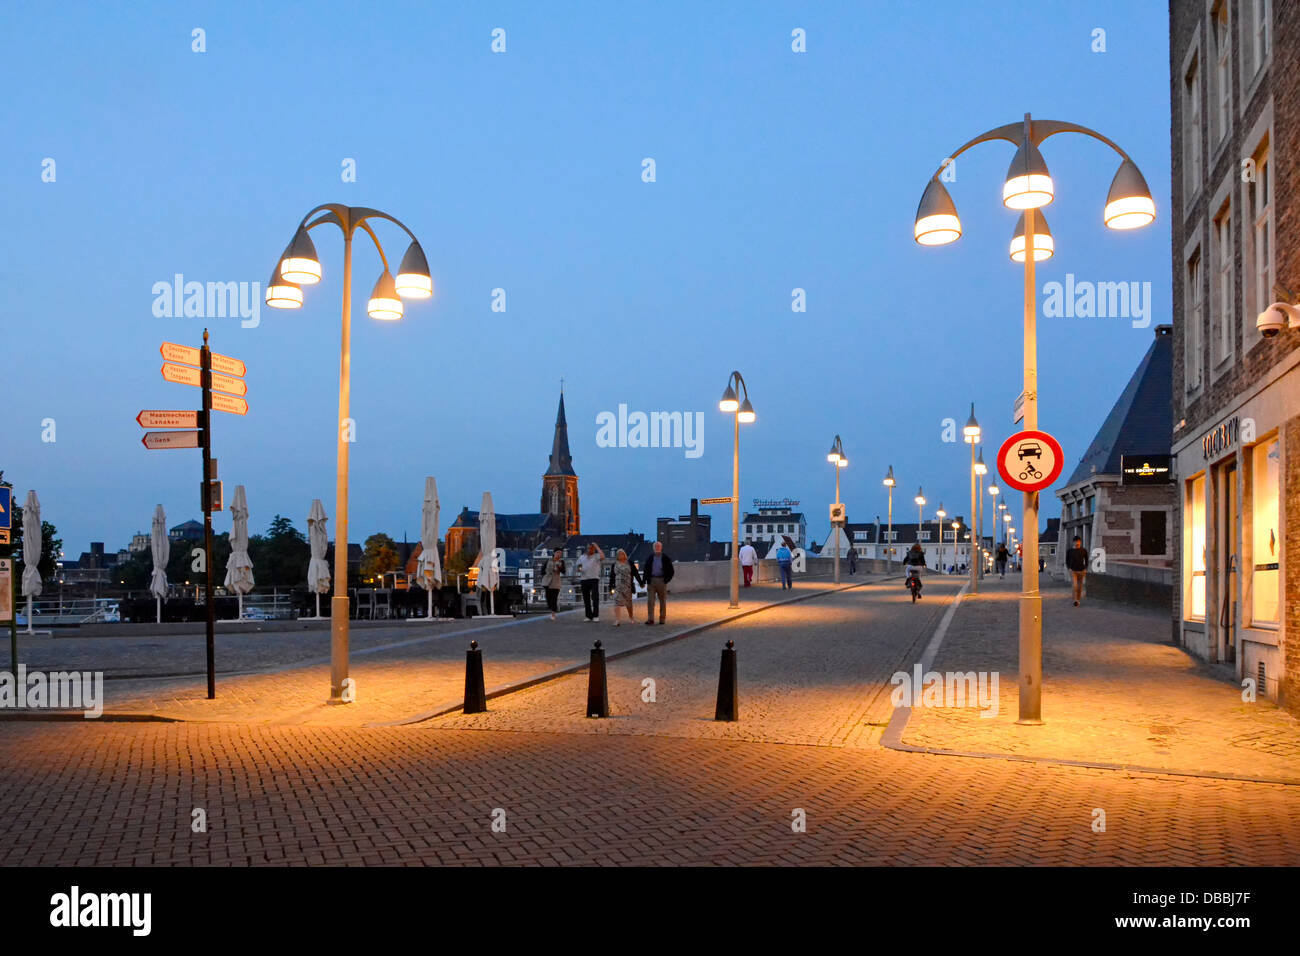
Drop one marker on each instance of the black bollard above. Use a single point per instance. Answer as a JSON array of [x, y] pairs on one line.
[[475, 692], [728, 698], [597, 688]]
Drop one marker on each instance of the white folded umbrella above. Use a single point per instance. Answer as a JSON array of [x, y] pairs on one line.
[[318, 569], [161, 548], [239, 569]]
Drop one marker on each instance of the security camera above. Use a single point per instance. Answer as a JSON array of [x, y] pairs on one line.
[[1276, 317]]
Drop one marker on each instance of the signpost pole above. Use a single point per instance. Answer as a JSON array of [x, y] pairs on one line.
[[1031, 601], [205, 430]]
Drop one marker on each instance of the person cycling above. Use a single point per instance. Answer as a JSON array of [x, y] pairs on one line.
[[914, 561]]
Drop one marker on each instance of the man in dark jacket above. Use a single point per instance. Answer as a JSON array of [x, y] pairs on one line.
[[913, 561], [1001, 557], [658, 571], [1076, 559]]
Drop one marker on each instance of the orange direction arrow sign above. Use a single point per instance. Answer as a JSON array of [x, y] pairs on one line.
[[224, 383], [184, 375], [181, 375], [161, 418], [170, 440], [228, 403], [190, 356]]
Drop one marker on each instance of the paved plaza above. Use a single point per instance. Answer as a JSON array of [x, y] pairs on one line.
[[294, 780]]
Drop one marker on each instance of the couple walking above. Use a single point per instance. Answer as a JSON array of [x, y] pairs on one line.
[[784, 561], [623, 576]]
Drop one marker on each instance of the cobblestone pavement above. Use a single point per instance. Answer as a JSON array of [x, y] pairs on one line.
[[662, 783], [411, 669], [816, 673], [122, 794], [1114, 691]]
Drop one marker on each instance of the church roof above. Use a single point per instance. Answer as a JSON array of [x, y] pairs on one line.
[[517, 523], [561, 462], [1141, 423]]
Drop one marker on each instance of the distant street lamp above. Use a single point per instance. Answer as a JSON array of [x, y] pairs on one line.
[[971, 435], [981, 470], [742, 411], [836, 458], [938, 523], [889, 551], [299, 266], [1028, 186], [920, 512]]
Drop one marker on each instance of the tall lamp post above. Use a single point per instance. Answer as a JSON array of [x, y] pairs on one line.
[[836, 457], [741, 411], [981, 470], [938, 523], [889, 553], [299, 266], [971, 434], [920, 511], [1029, 186]]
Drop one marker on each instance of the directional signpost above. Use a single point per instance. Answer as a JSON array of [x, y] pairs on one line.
[[170, 440], [207, 371]]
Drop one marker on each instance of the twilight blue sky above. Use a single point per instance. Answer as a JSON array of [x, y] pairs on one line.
[[522, 171]]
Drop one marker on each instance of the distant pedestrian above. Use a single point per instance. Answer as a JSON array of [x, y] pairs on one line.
[[553, 580], [589, 573], [748, 558], [853, 560], [658, 571], [1076, 559], [1003, 555], [622, 576], [784, 562]]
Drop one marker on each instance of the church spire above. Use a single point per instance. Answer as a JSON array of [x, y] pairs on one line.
[[561, 462]]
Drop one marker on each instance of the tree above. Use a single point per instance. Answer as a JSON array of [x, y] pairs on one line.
[[280, 557], [379, 557], [51, 546]]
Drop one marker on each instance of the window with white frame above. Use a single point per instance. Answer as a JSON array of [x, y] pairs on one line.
[[1255, 35], [1260, 196], [1193, 323], [1223, 291], [1222, 101], [1191, 130]]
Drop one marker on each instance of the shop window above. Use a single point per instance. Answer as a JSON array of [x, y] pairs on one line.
[[1194, 552], [1152, 533], [1266, 542]]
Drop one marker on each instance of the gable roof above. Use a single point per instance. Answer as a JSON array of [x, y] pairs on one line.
[[1141, 421]]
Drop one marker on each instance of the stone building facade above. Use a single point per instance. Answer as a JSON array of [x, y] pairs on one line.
[[1236, 393]]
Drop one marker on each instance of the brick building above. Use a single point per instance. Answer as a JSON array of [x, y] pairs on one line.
[[1235, 130], [1110, 500]]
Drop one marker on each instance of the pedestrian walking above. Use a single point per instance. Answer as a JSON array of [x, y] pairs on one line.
[[589, 573], [1003, 555], [1076, 559], [622, 576], [853, 560], [658, 572], [748, 558], [553, 580], [784, 561]]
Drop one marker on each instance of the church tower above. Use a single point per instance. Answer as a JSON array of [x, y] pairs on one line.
[[560, 483]]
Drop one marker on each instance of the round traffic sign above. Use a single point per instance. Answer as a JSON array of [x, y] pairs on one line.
[[1030, 460]]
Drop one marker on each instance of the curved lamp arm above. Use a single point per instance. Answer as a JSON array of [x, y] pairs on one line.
[[1038, 130]]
